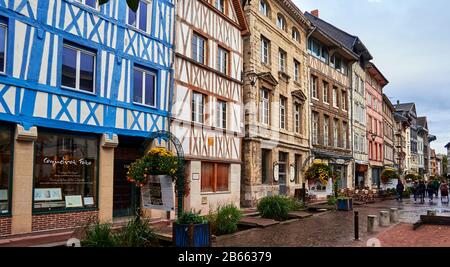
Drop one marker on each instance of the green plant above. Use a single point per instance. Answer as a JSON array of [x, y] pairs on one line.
[[226, 219], [275, 207], [191, 217], [295, 204], [137, 233], [331, 200], [388, 175], [99, 235]]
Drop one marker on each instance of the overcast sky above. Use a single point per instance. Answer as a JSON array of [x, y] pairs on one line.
[[409, 40]]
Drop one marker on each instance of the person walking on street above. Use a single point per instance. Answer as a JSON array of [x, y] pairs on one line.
[[421, 191], [415, 190], [400, 189], [444, 192], [436, 185], [430, 189]]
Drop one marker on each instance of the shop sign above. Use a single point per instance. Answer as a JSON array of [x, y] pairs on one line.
[[158, 193], [340, 161]]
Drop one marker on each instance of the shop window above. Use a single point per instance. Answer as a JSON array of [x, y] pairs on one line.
[[5, 169], [215, 177], [65, 172], [139, 19]]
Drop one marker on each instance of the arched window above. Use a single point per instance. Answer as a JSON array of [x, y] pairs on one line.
[[295, 34], [281, 22], [264, 8]]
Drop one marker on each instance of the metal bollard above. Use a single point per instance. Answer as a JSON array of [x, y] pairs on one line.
[[356, 225], [371, 223], [384, 218], [393, 215]]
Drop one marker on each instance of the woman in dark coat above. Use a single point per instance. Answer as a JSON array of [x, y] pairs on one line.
[[421, 191]]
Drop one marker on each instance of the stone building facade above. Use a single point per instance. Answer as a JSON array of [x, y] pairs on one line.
[[330, 90], [276, 141]]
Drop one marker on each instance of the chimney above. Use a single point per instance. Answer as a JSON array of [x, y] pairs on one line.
[[315, 13]]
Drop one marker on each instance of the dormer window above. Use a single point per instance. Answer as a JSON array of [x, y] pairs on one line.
[[318, 50], [264, 8], [281, 22]]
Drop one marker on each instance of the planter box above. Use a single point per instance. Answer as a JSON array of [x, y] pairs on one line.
[[191, 235], [345, 204]]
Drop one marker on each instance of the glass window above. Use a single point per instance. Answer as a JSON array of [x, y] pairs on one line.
[[282, 60], [281, 22], [78, 69], [314, 87], [325, 93], [3, 45], [5, 168], [265, 106], [297, 117], [344, 135], [220, 5], [264, 8], [296, 70], [144, 87], [222, 60], [65, 171], [326, 130], [283, 101], [198, 48], [315, 128], [295, 34], [198, 107], [265, 50], [335, 97], [344, 100], [138, 19], [91, 3], [221, 114], [335, 132]]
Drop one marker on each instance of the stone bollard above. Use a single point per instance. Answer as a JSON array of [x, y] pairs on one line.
[[393, 215], [384, 218], [431, 213], [371, 223]]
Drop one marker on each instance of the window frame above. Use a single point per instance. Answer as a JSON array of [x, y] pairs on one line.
[[326, 130], [267, 9], [84, 3], [195, 114], [265, 58], [144, 78], [314, 89], [214, 177], [297, 118], [283, 108], [6, 127], [5, 63], [97, 173], [282, 58], [79, 50], [224, 11], [296, 35], [137, 21], [336, 133], [205, 48], [315, 128], [281, 22], [220, 53], [264, 102], [296, 70], [327, 90], [221, 117]]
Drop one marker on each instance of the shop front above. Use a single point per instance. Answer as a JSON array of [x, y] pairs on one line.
[[6, 148], [361, 175]]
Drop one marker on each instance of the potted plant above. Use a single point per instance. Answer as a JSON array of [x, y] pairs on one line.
[[191, 230], [319, 172], [388, 175], [344, 203]]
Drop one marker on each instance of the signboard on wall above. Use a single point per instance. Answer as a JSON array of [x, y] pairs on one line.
[[158, 193]]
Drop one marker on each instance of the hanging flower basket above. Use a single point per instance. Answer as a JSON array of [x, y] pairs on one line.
[[388, 175], [319, 172], [158, 161]]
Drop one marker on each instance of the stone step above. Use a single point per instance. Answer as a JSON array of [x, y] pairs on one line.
[[257, 222], [300, 214]]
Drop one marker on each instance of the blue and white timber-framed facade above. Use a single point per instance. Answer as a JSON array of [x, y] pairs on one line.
[[50, 44]]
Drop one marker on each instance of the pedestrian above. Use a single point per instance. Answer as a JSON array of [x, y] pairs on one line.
[[400, 189], [415, 190], [436, 185], [444, 192], [430, 189], [421, 191]]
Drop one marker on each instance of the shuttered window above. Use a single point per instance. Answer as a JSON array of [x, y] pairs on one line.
[[215, 177]]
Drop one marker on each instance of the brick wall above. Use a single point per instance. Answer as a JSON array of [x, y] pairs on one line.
[[5, 226], [54, 221]]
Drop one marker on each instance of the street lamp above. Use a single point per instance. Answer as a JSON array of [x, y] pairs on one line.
[[252, 77]]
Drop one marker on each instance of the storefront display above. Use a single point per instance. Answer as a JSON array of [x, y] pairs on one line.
[[5, 168], [65, 174]]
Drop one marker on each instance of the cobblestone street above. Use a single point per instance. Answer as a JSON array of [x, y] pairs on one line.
[[336, 228]]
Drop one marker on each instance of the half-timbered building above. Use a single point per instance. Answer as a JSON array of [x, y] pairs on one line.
[[207, 103], [276, 139], [81, 85]]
